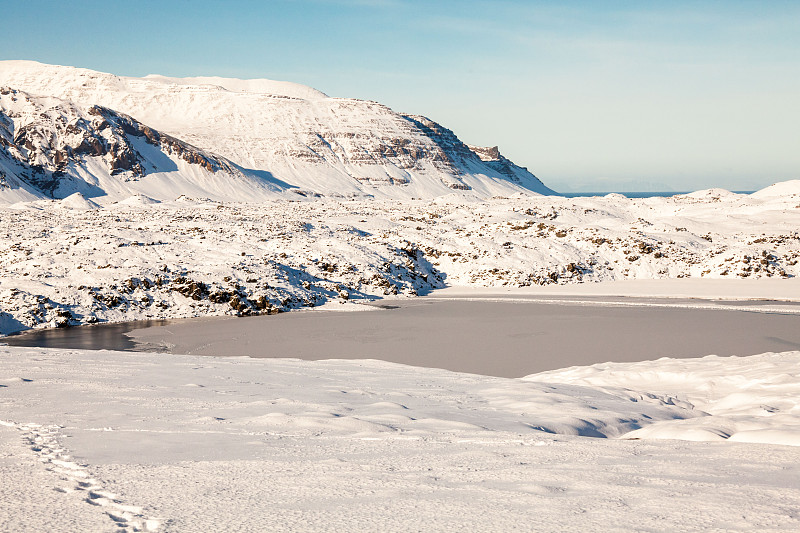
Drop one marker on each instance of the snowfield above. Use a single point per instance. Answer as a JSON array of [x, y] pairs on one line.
[[108, 441], [74, 261]]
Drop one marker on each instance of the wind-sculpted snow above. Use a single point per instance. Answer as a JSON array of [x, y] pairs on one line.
[[69, 262], [130, 441], [293, 134], [748, 399]]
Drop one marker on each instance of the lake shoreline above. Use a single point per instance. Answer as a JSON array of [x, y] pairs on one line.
[[506, 334]]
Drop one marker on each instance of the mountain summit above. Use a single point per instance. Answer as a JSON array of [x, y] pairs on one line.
[[274, 136]]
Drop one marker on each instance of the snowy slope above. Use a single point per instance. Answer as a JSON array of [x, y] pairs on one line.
[[98, 440], [51, 148], [334, 146], [743, 399]]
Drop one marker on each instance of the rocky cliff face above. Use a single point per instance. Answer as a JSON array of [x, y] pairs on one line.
[[54, 148], [40, 138], [293, 134], [492, 157]]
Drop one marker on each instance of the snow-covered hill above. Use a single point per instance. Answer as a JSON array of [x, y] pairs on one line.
[[290, 133], [62, 262], [51, 148]]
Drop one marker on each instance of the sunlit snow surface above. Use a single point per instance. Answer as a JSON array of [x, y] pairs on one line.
[[68, 262], [102, 440]]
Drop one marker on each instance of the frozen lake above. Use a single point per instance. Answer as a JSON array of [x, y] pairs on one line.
[[500, 338]]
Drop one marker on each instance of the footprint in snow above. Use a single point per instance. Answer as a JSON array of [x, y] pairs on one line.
[[44, 442]]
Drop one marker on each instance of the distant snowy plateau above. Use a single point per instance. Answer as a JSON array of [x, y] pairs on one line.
[[142, 198]]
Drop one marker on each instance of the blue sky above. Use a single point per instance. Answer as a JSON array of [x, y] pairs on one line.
[[597, 95]]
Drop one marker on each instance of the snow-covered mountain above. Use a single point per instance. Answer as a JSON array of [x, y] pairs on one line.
[[289, 135], [51, 148]]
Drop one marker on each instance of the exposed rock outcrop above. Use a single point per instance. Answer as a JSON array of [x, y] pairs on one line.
[[45, 140]]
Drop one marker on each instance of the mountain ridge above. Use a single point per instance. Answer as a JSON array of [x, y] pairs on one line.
[[51, 148], [295, 135]]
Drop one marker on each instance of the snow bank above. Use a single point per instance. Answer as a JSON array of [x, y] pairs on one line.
[[714, 194], [784, 189], [748, 399], [78, 201], [139, 199]]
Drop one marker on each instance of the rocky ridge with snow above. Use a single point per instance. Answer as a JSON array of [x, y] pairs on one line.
[[53, 148], [71, 262], [280, 136]]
